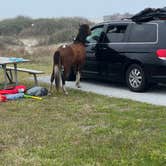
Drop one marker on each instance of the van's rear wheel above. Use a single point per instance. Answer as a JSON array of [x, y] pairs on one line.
[[136, 78]]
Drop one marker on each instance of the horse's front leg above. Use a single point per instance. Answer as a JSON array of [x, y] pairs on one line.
[[78, 76]]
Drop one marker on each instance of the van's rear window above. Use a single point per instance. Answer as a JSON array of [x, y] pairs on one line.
[[143, 33]]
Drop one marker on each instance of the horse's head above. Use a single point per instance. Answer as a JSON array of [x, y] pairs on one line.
[[84, 31]]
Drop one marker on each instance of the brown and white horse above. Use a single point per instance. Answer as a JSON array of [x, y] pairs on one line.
[[68, 56]]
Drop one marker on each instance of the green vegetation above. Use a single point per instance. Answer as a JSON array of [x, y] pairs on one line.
[[11, 27], [54, 30], [81, 129]]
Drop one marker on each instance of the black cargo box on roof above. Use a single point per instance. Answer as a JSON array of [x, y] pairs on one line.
[[150, 14]]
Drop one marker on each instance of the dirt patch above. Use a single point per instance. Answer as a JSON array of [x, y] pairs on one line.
[[2, 108]]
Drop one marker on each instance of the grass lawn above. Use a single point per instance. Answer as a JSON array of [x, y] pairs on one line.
[[81, 129]]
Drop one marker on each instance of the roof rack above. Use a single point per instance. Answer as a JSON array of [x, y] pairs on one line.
[[149, 14]]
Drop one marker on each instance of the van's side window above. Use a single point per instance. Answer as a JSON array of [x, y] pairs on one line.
[[143, 33], [95, 35], [115, 33]]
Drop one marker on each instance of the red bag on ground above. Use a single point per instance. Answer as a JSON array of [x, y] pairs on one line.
[[3, 98], [14, 90]]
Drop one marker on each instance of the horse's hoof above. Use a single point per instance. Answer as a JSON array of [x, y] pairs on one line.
[[78, 86], [66, 93], [49, 93]]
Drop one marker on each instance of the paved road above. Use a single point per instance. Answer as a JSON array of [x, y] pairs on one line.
[[156, 95]]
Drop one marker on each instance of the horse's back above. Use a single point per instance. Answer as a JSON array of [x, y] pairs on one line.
[[67, 56], [74, 53], [65, 52]]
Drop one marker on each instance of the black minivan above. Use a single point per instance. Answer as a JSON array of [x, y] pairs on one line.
[[126, 51]]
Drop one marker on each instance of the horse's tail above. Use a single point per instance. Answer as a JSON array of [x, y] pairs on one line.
[[57, 59], [57, 69]]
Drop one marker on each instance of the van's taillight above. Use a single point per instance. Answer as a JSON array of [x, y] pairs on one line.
[[161, 53]]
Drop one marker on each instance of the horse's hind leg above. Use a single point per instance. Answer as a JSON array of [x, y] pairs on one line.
[[57, 76], [78, 76], [51, 80], [63, 84]]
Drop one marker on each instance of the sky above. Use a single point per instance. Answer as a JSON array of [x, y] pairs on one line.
[[71, 8]]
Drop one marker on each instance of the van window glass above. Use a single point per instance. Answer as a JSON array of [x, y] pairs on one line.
[[143, 33], [115, 33], [95, 35]]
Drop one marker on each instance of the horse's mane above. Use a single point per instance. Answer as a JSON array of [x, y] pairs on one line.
[[82, 34]]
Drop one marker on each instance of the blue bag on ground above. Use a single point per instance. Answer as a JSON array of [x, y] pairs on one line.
[[37, 91], [14, 96]]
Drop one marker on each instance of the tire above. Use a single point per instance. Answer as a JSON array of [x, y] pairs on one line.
[[136, 78]]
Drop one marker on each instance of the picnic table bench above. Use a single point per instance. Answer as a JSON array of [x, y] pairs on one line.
[[29, 71]]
